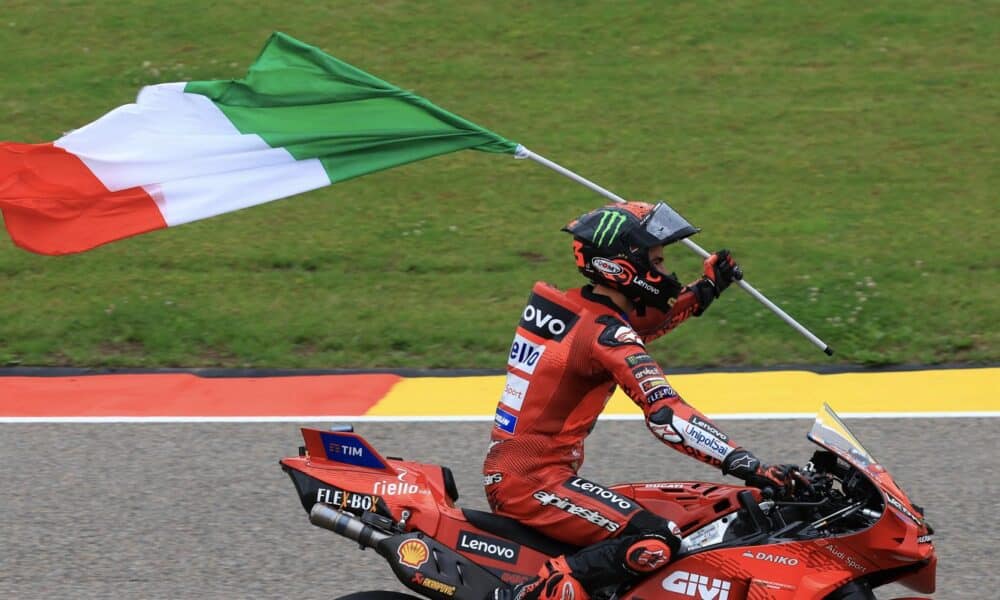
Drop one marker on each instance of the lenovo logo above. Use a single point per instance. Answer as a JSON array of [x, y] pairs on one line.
[[547, 319], [487, 546]]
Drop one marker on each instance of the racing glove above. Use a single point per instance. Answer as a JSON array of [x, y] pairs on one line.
[[782, 479], [720, 270]]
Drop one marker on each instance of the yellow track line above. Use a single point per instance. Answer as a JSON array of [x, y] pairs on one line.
[[950, 391]]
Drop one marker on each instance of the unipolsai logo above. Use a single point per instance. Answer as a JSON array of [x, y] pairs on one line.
[[697, 586]]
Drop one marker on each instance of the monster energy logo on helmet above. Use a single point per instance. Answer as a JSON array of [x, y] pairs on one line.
[[609, 227]]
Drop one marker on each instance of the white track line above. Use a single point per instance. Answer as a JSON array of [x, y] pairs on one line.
[[473, 418]]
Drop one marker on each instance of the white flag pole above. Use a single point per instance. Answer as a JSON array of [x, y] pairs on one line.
[[523, 152]]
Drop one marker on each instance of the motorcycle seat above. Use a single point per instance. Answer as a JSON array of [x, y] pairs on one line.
[[514, 530]]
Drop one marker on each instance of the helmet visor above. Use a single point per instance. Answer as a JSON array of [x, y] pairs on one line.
[[665, 226]]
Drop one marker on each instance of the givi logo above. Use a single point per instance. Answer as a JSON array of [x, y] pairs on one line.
[[697, 586]]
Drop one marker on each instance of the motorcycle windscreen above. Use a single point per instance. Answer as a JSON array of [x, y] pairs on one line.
[[831, 433]]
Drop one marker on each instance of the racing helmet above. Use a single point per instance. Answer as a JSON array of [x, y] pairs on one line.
[[611, 245]]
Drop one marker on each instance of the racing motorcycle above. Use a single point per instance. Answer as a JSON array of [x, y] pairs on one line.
[[851, 530]]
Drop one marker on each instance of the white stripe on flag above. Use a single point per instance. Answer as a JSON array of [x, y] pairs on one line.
[[188, 156]]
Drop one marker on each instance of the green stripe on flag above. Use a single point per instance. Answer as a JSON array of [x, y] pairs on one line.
[[297, 97]]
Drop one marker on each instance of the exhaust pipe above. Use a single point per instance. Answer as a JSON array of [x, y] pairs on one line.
[[346, 524]]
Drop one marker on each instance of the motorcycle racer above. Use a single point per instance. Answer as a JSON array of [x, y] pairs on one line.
[[570, 351]]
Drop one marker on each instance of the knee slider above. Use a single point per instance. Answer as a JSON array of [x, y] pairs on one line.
[[647, 554], [644, 524]]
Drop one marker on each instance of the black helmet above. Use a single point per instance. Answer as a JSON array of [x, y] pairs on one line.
[[612, 243]]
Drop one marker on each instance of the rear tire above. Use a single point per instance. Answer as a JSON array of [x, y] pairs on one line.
[[379, 595]]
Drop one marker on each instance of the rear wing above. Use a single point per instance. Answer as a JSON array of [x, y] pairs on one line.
[[343, 448]]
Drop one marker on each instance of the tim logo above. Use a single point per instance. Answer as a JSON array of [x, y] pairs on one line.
[[547, 319], [697, 586], [350, 450]]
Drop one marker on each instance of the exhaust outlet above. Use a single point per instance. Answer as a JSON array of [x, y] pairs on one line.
[[346, 524]]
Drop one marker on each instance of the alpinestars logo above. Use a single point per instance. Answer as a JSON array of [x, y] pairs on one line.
[[609, 228], [591, 516], [697, 586]]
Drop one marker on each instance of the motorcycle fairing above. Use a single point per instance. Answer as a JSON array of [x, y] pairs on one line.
[[396, 488], [894, 545], [427, 566], [903, 531], [342, 450]]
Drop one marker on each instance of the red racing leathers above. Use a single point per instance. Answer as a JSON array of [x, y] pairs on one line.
[[570, 351]]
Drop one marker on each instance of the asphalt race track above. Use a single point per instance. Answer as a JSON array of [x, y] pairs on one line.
[[204, 510]]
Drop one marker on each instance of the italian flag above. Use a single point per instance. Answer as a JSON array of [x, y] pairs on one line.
[[299, 120]]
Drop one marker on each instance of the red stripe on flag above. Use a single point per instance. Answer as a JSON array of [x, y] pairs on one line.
[[185, 395], [53, 204]]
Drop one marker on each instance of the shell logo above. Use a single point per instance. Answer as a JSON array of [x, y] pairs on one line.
[[413, 553]]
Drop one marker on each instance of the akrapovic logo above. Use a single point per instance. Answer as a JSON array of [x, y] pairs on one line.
[[487, 546], [603, 495], [547, 319]]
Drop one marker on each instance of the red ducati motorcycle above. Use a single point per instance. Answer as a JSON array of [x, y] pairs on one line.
[[850, 532]]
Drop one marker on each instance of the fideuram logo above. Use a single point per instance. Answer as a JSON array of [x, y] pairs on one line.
[[609, 227]]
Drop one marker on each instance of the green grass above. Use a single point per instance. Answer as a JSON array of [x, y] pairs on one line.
[[847, 153]]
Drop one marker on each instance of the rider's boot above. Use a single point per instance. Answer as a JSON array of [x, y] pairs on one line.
[[555, 581]]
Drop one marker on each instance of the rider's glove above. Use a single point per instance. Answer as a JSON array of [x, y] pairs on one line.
[[721, 270], [781, 479]]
